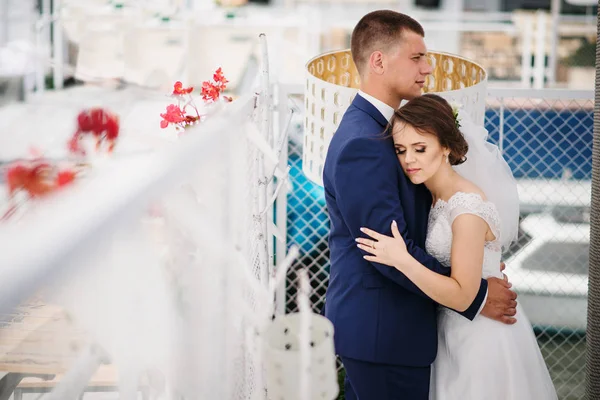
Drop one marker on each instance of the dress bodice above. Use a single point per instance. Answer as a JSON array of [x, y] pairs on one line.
[[439, 229]]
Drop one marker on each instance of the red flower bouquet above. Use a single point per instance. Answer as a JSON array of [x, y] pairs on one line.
[[177, 114]]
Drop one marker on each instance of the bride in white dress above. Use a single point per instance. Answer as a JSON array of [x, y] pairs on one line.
[[474, 216]]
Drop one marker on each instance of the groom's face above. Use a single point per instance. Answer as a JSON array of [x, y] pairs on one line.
[[407, 66]]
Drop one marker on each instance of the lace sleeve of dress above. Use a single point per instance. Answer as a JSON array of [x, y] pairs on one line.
[[472, 203]]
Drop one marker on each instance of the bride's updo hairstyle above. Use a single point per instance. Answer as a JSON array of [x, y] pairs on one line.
[[432, 114]]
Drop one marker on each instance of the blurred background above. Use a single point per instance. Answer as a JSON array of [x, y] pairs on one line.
[[539, 54]]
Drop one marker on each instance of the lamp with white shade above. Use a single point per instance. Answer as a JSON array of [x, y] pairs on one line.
[[332, 81]]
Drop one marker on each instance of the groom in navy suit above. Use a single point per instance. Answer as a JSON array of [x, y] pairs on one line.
[[385, 327]]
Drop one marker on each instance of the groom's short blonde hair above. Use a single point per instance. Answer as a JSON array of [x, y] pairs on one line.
[[379, 30]]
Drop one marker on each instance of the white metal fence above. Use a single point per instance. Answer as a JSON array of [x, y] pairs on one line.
[[142, 259], [546, 137], [158, 263]]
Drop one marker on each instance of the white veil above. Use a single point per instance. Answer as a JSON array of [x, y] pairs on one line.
[[486, 168]]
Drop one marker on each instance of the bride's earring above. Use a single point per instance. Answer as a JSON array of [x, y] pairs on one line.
[[447, 159]]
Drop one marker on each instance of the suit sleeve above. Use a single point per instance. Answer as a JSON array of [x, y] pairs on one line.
[[367, 194]]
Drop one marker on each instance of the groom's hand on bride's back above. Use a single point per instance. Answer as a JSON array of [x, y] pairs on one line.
[[501, 302]]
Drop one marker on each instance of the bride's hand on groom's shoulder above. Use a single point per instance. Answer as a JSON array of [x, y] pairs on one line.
[[501, 302], [382, 249]]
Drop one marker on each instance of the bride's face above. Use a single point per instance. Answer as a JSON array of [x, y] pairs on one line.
[[420, 154]]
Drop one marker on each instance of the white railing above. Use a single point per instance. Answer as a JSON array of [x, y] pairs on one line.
[[85, 214], [198, 211]]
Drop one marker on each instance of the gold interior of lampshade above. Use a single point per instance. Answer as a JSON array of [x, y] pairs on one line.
[[450, 72]]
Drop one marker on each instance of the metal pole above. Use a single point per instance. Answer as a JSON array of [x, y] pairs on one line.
[[265, 128], [501, 127], [281, 210], [539, 66], [57, 45], [4, 23], [554, 36], [305, 312], [526, 53], [40, 56], [42, 44], [46, 17], [593, 316]]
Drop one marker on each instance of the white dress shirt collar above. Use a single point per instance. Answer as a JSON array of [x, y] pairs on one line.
[[384, 109]]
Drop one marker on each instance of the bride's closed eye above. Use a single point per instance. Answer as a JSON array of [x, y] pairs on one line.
[[401, 151]]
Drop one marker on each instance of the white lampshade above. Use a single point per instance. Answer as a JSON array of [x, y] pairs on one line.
[[283, 359], [332, 81]]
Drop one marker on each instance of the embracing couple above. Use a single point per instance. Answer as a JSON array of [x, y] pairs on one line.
[[421, 207]]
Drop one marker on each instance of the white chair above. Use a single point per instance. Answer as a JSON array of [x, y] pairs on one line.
[[100, 55], [154, 56], [234, 46], [228, 47]]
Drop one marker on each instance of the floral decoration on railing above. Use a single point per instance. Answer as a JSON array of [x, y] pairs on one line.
[[38, 177], [102, 124], [180, 115], [97, 131], [33, 179]]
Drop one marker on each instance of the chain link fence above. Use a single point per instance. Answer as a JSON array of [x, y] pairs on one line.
[[546, 137]]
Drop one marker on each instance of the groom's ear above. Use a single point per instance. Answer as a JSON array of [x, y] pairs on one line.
[[376, 62]]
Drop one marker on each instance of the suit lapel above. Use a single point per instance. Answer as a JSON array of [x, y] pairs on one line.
[[364, 105]]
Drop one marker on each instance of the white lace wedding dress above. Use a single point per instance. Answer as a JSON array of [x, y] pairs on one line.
[[483, 358]]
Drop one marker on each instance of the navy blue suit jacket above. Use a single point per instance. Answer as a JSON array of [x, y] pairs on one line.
[[378, 314]]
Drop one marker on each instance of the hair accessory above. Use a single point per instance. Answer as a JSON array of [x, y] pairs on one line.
[[455, 108]]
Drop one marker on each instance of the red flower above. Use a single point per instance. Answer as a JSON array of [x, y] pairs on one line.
[[112, 131], [210, 92], [219, 78], [99, 118], [15, 177], [174, 115], [65, 177], [37, 183], [84, 121], [37, 178], [101, 123], [111, 127], [179, 90], [33, 179]]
